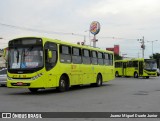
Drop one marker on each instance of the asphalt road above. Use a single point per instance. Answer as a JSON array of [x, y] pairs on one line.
[[119, 95]]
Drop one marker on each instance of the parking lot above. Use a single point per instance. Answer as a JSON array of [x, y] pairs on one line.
[[119, 95]]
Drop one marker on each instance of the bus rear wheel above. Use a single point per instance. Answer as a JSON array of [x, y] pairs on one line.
[[147, 77], [99, 81], [135, 75], [63, 84], [33, 90]]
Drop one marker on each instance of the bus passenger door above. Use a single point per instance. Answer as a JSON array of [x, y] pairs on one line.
[[50, 62], [140, 68], [124, 69]]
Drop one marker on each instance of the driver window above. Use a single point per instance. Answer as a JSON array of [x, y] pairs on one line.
[[50, 62]]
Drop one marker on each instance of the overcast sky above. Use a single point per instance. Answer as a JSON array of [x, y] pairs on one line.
[[125, 20]]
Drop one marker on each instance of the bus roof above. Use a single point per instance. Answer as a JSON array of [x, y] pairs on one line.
[[134, 59], [65, 43]]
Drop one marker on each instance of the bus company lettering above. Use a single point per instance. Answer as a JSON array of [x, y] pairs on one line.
[[29, 115], [73, 66]]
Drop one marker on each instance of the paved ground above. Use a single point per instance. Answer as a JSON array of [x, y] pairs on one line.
[[119, 95]]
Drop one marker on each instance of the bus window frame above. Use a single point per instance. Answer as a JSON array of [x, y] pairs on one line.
[[76, 57], [49, 64], [86, 59], [100, 59], [94, 60], [64, 56]]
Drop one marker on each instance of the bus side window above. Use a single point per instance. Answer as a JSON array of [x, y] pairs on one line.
[[50, 62], [94, 57], [130, 64], [110, 59], [76, 55], [86, 56], [100, 58], [106, 59], [118, 64], [135, 63], [124, 65], [65, 54]]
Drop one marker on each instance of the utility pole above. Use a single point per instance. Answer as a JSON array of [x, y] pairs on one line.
[[84, 40], [142, 45], [89, 38], [138, 54], [94, 41], [152, 45]]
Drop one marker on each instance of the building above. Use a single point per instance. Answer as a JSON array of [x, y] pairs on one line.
[[115, 49]]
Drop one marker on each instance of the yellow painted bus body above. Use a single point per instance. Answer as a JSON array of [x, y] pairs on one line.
[[76, 74], [135, 67]]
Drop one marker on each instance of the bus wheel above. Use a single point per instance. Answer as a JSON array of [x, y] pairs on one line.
[[147, 77], [63, 85], [33, 90], [99, 81], [135, 75], [116, 74]]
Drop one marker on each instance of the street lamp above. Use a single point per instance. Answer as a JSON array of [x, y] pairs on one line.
[[89, 37], [152, 44]]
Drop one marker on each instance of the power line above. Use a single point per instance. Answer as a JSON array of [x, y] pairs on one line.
[[38, 30], [118, 38], [53, 32]]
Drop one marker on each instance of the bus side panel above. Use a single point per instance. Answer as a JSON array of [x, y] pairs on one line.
[[87, 73], [109, 73], [75, 76]]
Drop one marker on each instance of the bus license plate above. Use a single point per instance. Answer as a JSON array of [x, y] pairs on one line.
[[19, 83]]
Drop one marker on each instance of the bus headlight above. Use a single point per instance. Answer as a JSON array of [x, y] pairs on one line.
[[9, 78]]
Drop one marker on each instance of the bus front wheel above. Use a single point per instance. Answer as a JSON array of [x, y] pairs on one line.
[[63, 85], [116, 74], [135, 75]]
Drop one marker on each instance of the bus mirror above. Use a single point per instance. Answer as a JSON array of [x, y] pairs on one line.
[[49, 54]]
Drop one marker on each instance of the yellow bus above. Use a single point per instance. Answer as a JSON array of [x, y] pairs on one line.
[[136, 67], [39, 63]]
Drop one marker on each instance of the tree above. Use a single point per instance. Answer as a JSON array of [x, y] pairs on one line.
[[117, 57], [156, 56]]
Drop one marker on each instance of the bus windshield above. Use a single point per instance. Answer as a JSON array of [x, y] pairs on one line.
[[25, 57], [150, 65]]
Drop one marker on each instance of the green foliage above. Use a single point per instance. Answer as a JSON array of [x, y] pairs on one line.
[[117, 57], [156, 56]]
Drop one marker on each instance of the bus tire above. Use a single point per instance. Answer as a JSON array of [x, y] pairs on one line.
[[33, 90], [63, 84], [99, 80], [147, 77], [116, 74], [135, 75]]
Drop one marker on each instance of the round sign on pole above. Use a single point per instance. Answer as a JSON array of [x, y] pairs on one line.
[[95, 27]]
